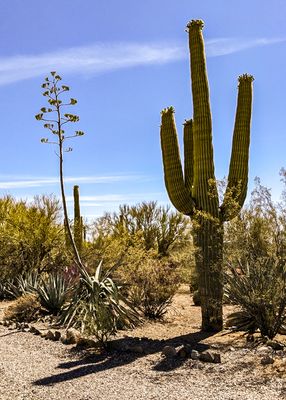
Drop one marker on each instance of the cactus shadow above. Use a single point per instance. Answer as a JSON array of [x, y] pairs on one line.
[[121, 352]]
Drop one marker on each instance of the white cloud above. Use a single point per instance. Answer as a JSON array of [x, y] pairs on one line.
[[224, 46], [92, 59], [89, 201], [100, 58], [47, 181]]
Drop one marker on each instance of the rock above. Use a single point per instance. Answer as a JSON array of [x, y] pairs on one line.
[[34, 330], [11, 327], [266, 360], [49, 336], [250, 338], [169, 351], [57, 335], [207, 356], [184, 351], [217, 358], [72, 336], [275, 345], [231, 348], [86, 343], [263, 349], [195, 355]]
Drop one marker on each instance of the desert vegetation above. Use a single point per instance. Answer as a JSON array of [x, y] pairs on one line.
[[123, 270]]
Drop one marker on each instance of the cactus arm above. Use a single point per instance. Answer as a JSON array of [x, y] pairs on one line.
[[188, 155], [174, 180], [202, 124], [236, 190]]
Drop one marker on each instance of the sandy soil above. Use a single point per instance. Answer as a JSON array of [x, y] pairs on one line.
[[32, 368]]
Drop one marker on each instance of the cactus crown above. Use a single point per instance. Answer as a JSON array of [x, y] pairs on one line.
[[245, 78], [195, 23], [168, 110]]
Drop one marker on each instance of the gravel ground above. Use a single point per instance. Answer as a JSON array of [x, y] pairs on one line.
[[32, 368]]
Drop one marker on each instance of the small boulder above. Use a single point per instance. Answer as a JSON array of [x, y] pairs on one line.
[[57, 335], [169, 351], [34, 330], [207, 356], [195, 355], [72, 336], [266, 360], [184, 351], [49, 336], [86, 343]]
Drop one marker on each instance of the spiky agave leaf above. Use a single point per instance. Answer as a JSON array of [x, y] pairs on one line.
[[53, 292], [97, 306]]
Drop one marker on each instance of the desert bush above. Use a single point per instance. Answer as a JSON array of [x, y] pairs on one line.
[[25, 309], [259, 231], [259, 288], [31, 237], [160, 229], [53, 292], [149, 282], [97, 306]]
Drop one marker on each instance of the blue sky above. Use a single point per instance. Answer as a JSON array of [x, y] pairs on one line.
[[125, 61]]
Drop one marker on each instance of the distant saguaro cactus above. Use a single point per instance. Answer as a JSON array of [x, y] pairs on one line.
[[78, 223], [194, 191]]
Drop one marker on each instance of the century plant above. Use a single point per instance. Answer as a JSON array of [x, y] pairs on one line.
[[97, 300], [53, 91], [194, 191], [78, 223], [97, 307]]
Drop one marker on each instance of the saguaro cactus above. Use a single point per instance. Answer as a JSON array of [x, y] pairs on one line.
[[78, 224], [194, 191]]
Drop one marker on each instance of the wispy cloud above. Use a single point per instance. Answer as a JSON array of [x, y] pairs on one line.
[[104, 57], [48, 181], [92, 59], [224, 46], [92, 201]]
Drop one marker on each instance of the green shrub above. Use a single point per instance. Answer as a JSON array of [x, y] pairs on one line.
[[97, 307], [31, 237], [151, 282], [259, 288], [25, 309]]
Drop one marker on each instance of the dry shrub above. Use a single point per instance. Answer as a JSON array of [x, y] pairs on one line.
[[25, 309], [151, 282]]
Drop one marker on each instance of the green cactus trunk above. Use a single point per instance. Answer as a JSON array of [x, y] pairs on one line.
[[208, 239], [78, 226], [194, 192]]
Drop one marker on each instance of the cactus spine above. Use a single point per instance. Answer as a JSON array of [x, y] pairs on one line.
[[78, 223], [194, 191]]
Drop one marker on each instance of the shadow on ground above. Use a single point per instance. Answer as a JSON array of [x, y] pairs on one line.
[[118, 355]]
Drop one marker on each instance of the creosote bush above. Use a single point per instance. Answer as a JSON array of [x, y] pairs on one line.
[[150, 283], [259, 288]]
